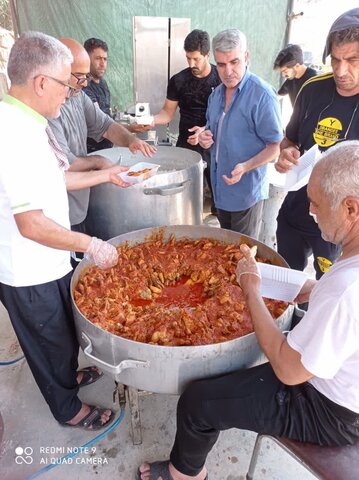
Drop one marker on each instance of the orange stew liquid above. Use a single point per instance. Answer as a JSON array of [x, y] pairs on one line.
[[174, 292], [182, 295]]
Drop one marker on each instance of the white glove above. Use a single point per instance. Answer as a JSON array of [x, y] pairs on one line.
[[247, 264], [102, 254]]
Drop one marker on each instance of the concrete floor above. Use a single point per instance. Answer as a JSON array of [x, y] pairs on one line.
[[30, 426], [33, 440]]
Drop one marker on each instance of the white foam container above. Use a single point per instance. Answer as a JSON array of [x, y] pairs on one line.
[[281, 283], [153, 167]]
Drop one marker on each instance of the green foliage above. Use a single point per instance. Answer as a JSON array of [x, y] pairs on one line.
[[5, 15]]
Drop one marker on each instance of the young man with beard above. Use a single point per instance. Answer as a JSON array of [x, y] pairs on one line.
[[189, 90], [290, 62]]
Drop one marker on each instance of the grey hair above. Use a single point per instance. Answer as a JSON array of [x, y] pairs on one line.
[[228, 40], [34, 53], [339, 172], [349, 35]]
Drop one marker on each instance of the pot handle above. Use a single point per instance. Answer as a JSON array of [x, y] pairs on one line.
[[112, 369], [167, 189]]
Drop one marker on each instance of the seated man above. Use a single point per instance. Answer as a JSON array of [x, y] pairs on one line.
[[309, 390]]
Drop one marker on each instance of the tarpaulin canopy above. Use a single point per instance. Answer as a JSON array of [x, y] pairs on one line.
[[262, 21]]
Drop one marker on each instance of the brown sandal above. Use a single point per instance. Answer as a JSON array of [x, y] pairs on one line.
[[90, 375]]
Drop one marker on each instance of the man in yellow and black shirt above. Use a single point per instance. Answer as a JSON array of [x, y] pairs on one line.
[[326, 112]]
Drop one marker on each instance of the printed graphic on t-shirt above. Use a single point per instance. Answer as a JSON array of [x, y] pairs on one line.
[[327, 132], [324, 264]]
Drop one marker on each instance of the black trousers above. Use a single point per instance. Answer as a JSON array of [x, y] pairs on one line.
[[206, 157], [81, 228], [247, 221], [254, 399], [296, 247], [42, 318]]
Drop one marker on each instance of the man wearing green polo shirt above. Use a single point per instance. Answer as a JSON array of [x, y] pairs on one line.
[[35, 235]]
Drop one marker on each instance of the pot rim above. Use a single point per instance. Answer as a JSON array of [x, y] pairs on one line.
[[168, 231]]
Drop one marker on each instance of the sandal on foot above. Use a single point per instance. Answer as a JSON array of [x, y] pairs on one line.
[[89, 375], [159, 470], [92, 421]]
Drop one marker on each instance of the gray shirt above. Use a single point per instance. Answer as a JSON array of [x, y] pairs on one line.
[[79, 118]]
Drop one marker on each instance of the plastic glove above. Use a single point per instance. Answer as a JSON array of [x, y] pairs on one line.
[[247, 265], [102, 254]]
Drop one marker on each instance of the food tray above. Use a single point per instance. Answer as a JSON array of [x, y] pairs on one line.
[[299, 175], [281, 283], [139, 172]]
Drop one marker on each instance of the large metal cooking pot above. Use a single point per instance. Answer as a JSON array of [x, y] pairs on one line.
[[172, 197], [169, 369]]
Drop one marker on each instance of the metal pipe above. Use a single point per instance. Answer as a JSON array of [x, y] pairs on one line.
[[290, 17]]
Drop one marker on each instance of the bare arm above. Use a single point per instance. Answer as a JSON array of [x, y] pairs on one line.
[[286, 361], [205, 138], [194, 138], [78, 180], [306, 290], [119, 135], [289, 156], [163, 117], [167, 112], [92, 162], [35, 226], [285, 143], [270, 152]]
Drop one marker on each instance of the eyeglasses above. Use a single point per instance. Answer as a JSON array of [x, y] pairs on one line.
[[71, 90], [83, 79]]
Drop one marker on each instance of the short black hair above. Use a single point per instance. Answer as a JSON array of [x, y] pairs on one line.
[[197, 41], [288, 57], [92, 43]]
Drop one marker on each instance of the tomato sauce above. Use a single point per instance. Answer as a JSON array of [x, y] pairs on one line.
[[182, 295], [174, 292]]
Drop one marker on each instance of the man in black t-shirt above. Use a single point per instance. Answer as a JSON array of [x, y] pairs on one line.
[[97, 88], [290, 62], [326, 112], [189, 90]]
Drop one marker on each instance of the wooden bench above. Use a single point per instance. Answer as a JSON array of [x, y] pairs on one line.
[[326, 463]]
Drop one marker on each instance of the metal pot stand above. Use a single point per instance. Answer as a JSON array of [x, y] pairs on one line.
[[131, 395]]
